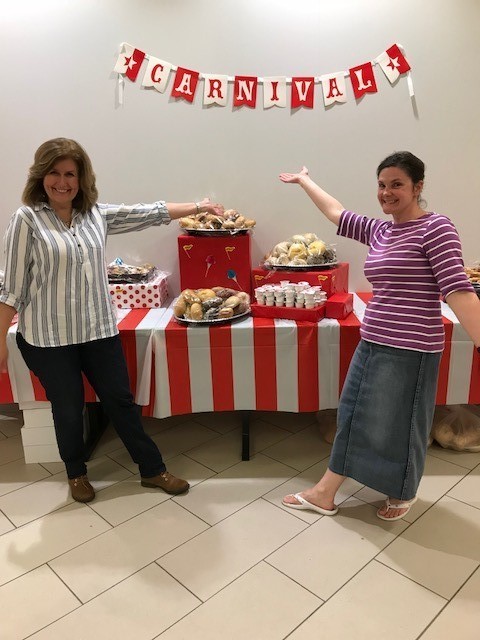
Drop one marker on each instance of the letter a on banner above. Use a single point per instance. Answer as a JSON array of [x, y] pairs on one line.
[[302, 92], [185, 84], [215, 89], [333, 86], [156, 74]]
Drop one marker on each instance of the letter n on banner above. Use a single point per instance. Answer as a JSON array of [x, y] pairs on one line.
[[302, 92], [245, 91], [185, 84]]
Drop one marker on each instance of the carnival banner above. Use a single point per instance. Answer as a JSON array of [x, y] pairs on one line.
[[158, 73]]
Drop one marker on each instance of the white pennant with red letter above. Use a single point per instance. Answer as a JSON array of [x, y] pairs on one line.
[[334, 89], [156, 74], [215, 89], [274, 92]]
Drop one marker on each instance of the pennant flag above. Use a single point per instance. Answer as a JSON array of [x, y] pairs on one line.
[[274, 92], [393, 63], [363, 80], [334, 89], [156, 74], [215, 89], [245, 91], [129, 62], [302, 92], [185, 84]]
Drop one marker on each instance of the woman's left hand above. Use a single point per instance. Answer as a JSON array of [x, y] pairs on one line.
[[205, 206]]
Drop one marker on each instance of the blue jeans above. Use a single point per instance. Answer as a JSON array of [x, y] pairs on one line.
[[59, 369], [384, 418]]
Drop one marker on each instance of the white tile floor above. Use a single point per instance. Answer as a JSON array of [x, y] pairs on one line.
[[226, 560]]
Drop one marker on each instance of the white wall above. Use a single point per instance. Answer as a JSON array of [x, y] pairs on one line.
[[56, 80]]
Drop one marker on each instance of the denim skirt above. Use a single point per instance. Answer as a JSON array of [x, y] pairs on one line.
[[384, 418]]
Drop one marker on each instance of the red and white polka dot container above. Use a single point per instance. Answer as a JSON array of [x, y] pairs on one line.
[[147, 295]]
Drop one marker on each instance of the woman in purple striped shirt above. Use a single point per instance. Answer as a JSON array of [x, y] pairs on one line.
[[386, 407]]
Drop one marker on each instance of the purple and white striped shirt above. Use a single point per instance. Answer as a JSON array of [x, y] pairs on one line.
[[409, 266]]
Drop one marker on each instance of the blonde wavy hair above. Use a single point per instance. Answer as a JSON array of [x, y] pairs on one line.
[[46, 156]]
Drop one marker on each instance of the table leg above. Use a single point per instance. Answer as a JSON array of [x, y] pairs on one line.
[[245, 435]]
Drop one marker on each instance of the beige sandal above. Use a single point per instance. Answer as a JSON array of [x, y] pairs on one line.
[[400, 505]]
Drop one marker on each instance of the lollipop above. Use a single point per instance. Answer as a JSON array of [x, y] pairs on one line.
[[232, 275], [229, 250], [186, 248], [209, 260]]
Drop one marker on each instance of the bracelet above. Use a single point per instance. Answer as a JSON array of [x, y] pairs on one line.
[[197, 204]]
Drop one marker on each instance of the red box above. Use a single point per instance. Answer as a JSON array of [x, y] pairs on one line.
[[215, 262], [339, 306], [332, 280], [288, 313], [141, 295]]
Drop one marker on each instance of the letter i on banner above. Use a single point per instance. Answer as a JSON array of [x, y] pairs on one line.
[[302, 92], [333, 86], [156, 74], [215, 89], [274, 92]]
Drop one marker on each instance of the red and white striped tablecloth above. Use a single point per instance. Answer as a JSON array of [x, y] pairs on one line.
[[281, 365], [136, 328]]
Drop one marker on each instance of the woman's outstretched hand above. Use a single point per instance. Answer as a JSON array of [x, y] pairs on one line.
[[211, 207], [293, 177]]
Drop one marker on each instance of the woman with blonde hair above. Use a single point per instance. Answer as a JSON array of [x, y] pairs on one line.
[[56, 279]]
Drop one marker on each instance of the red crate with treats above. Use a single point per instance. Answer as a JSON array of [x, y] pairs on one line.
[[332, 280]]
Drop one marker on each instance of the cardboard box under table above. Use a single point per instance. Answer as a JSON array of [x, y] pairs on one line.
[[207, 261], [332, 279]]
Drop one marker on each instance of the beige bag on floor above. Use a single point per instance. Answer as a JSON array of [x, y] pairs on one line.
[[457, 427]]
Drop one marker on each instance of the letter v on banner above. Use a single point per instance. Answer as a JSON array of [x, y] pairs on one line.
[[302, 92]]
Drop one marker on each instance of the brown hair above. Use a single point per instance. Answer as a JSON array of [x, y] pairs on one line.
[[46, 156]]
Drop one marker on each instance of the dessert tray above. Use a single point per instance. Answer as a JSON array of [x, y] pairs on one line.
[[213, 321], [301, 267]]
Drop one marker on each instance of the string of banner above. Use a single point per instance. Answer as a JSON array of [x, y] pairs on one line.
[[158, 72]]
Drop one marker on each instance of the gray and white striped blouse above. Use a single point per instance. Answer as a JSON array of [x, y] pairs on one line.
[[55, 276]]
